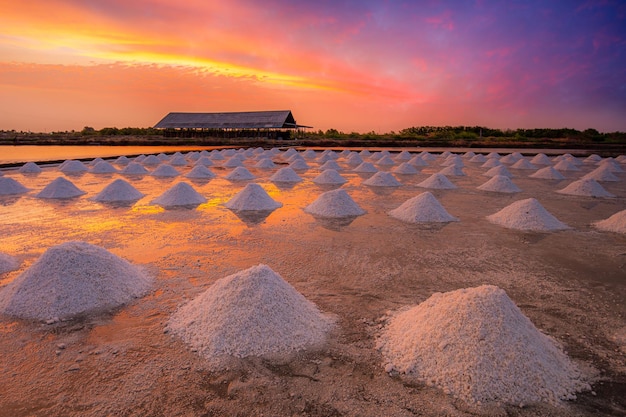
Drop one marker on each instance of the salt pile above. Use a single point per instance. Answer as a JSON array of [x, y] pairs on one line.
[[299, 165], [8, 186], [354, 159], [548, 173], [417, 161], [476, 345], [614, 166], [616, 223], [437, 181], [500, 184], [179, 195], [509, 159], [285, 174], [365, 153], [385, 161], [178, 161], [403, 156], [122, 160], [265, 163], [134, 168], [71, 279], [498, 170], [491, 162], [254, 312], [493, 155], [165, 171], [541, 159], [602, 173], [60, 188], [382, 179], [200, 172], [523, 164], [565, 165], [118, 190], [329, 176], [103, 167], [365, 168], [592, 159], [204, 160], [405, 169], [586, 187], [479, 158], [527, 215], [330, 164], [334, 204], [252, 197], [309, 154], [72, 167], [422, 209], [469, 155], [8, 263], [95, 161], [233, 162], [453, 160], [453, 170], [151, 160], [29, 168], [240, 174]]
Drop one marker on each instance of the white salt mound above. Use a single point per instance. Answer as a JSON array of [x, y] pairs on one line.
[[334, 204], [181, 194], [254, 312], [382, 179], [200, 172], [103, 167], [453, 170], [285, 174], [330, 164], [423, 208], [616, 223], [122, 160], [500, 184], [165, 170], [541, 159], [60, 188], [204, 160], [134, 168], [385, 160], [476, 345], [252, 197], [30, 168], [8, 263], [527, 215], [118, 190], [365, 168], [240, 174], [265, 163], [329, 176], [498, 170], [437, 181], [523, 164], [8, 186], [602, 173], [405, 169], [72, 167], [152, 160], [548, 173], [71, 279], [299, 165], [565, 165], [587, 187]]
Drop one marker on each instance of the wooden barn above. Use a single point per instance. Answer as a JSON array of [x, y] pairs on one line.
[[271, 124]]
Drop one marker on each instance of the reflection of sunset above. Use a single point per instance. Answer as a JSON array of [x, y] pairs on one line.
[[359, 66]]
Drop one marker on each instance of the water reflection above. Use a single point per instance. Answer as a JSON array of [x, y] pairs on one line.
[[7, 200], [382, 191], [285, 186], [334, 224], [252, 217], [328, 187]]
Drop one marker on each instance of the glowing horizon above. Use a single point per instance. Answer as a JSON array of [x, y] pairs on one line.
[[353, 66]]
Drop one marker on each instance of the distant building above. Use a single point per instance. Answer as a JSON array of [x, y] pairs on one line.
[[271, 124]]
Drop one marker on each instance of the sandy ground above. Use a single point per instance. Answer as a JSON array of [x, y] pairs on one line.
[[571, 284]]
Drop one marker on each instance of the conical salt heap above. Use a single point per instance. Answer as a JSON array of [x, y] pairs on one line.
[[254, 312], [405, 169], [423, 208], [500, 184], [437, 181], [330, 164], [286, 175], [523, 164], [179, 195], [103, 167], [8, 263], [60, 188], [498, 170], [151, 160], [587, 187], [178, 161], [134, 168], [602, 173], [547, 173], [540, 159], [72, 167], [382, 179], [200, 172], [334, 204], [299, 165], [119, 190], [527, 215], [165, 171], [8, 186], [205, 161], [491, 162], [122, 160], [71, 279], [252, 197], [565, 165], [29, 168], [265, 163], [329, 176], [365, 168], [478, 158], [476, 345], [453, 170], [616, 223], [385, 160], [240, 174]]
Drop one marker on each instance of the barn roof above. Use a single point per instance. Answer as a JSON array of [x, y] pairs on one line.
[[282, 119]]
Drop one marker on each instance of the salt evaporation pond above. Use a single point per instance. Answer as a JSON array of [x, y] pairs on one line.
[[122, 362]]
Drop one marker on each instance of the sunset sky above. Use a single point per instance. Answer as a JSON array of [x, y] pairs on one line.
[[352, 65]]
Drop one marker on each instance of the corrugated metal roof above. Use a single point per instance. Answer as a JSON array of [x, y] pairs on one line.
[[282, 119]]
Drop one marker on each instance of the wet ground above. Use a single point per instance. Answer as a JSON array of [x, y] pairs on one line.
[[571, 284]]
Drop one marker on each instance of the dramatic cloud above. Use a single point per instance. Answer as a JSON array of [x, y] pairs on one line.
[[350, 65]]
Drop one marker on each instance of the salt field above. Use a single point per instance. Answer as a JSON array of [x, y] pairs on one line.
[[257, 282]]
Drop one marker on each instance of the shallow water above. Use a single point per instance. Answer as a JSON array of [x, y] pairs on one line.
[[571, 284]]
